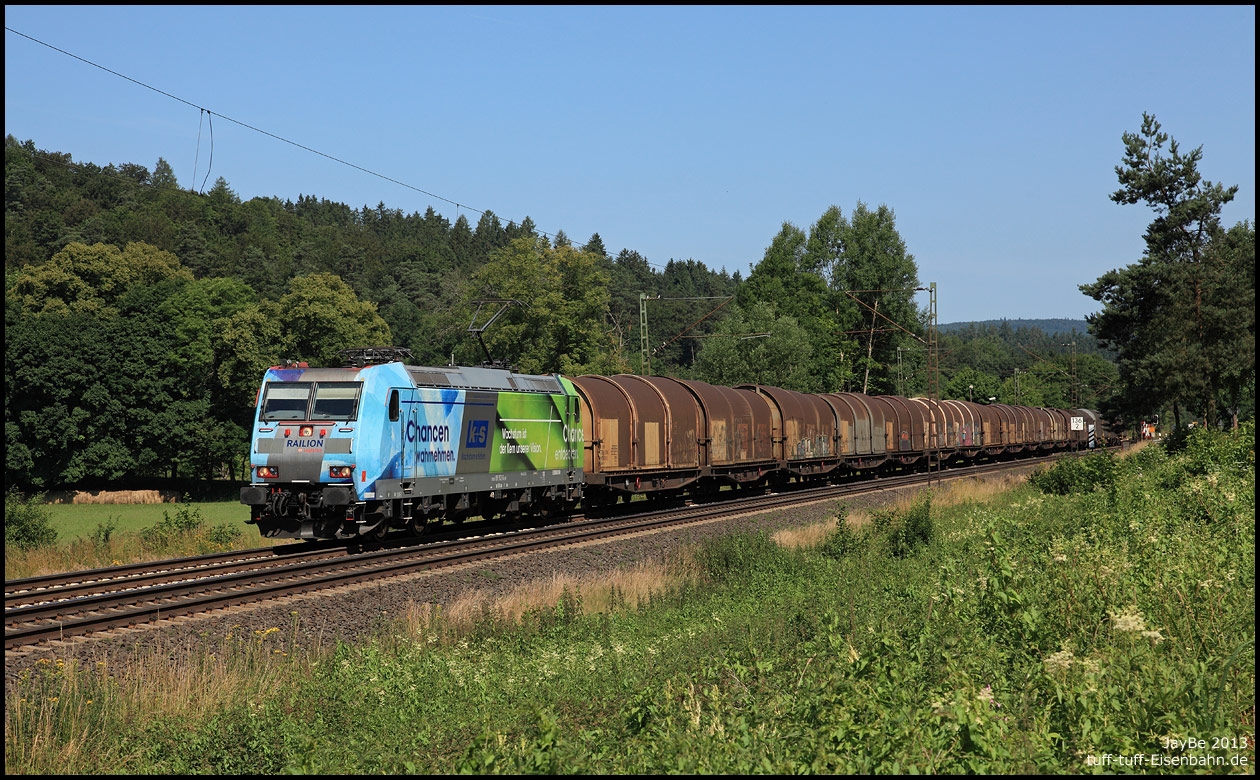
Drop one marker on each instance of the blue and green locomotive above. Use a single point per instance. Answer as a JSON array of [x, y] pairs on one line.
[[344, 453]]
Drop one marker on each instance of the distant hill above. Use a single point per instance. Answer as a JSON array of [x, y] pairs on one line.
[[1048, 327]]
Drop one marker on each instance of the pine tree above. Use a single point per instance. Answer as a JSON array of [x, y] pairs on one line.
[[1171, 318]]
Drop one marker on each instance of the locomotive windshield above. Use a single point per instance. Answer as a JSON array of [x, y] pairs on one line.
[[336, 401], [293, 401], [285, 401]]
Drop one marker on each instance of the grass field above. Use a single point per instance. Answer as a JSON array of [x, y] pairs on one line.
[[93, 536], [80, 521]]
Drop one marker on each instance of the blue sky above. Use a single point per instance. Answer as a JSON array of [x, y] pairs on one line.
[[677, 132]]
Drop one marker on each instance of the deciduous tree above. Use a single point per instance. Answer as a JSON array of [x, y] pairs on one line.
[[561, 326], [321, 315]]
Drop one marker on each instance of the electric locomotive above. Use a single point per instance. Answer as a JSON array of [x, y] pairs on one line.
[[351, 452]]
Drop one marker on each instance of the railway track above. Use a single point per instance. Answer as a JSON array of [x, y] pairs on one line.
[[56, 607]]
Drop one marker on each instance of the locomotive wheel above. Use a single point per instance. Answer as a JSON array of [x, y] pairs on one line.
[[493, 507], [417, 524], [378, 532]]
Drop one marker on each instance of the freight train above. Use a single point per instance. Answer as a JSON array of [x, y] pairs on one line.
[[377, 445]]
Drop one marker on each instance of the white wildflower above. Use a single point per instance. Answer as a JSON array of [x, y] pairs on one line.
[[1128, 620], [1060, 661]]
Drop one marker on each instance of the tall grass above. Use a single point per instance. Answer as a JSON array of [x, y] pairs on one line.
[[629, 588], [1037, 631], [62, 714]]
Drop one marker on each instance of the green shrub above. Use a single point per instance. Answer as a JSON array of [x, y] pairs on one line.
[[224, 535], [1148, 458], [105, 531], [734, 558], [1208, 451], [1076, 475], [27, 524], [186, 521], [843, 541], [904, 532]]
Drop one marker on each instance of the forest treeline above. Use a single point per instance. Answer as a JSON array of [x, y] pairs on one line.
[[140, 314]]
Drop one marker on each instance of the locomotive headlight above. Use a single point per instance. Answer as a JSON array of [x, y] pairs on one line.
[[268, 472], [306, 431], [341, 472]]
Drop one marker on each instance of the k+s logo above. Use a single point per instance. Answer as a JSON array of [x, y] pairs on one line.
[[478, 434]]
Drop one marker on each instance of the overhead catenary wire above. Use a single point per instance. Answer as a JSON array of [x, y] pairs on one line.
[[245, 125], [725, 300], [208, 112], [210, 164]]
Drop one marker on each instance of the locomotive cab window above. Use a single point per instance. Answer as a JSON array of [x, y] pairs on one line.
[[285, 401], [336, 401]]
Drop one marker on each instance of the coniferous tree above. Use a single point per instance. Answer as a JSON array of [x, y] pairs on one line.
[[1170, 317], [595, 246]]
